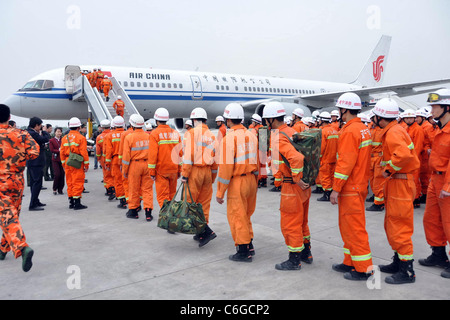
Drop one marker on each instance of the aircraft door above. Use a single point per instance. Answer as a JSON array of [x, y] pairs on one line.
[[71, 73], [197, 92]]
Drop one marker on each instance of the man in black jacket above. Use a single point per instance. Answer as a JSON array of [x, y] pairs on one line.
[[36, 166]]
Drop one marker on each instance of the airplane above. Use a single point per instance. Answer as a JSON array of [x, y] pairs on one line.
[[50, 95]]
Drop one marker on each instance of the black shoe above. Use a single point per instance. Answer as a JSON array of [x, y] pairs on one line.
[[85, 191], [375, 208], [342, 268], [275, 189], [318, 190], [2, 255], [438, 258], [293, 263], [206, 237], [242, 254], [77, 204], [122, 204], [251, 248], [357, 276], [36, 208], [132, 214], [371, 199], [416, 203], [446, 273], [306, 255], [112, 196], [27, 255], [405, 274], [39, 204], [325, 197], [394, 267], [423, 198], [71, 203], [148, 215]]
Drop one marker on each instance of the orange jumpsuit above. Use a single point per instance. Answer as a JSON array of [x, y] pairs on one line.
[[351, 181], [238, 174], [112, 161], [99, 80], [93, 80], [16, 147], [222, 132], [135, 168], [436, 220], [418, 137], [299, 126], [74, 177], [164, 161], [108, 180], [399, 159], [106, 86], [377, 180], [424, 157], [124, 179], [199, 165], [119, 106], [328, 152], [294, 203]]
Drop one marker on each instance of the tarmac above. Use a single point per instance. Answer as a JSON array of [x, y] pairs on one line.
[[99, 254]]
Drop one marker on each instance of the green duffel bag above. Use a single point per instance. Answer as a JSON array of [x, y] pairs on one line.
[[182, 216], [74, 160]]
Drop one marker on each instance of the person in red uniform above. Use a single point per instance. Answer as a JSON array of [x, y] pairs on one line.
[[16, 146]]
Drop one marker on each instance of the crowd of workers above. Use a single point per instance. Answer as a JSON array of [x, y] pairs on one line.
[[404, 157]]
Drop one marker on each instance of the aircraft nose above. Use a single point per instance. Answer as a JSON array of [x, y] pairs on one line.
[[14, 102]]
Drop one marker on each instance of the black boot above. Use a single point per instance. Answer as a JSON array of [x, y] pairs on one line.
[[77, 204], [325, 197], [132, 214], [242, 254], [423, 198], [394, 267], [275, 189], [148, 215], [416, 203], [206, 236], [371, 199], [438, 258], [2, 255], [375, 208], [404, 275], [318, 190], [357, 276], [293, 263], [27, 255], [122, 204], [306, 255], [446, 273], [251, 248], [71, 203], [342, 267]]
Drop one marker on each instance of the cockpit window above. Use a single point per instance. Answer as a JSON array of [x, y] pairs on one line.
[[38, 85]]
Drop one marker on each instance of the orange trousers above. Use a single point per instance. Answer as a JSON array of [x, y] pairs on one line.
[[139, 184], [436, 220], [377, 180], [166, 187], [425, 173], [352, 225], [200, 184], [13, 237], [326, 176], [294, 208], [108, 180], [106, 91], [241, 203], [416, 178], [118, 182], [399, 219], [75, 181]]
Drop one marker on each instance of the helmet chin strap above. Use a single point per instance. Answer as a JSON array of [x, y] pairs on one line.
[[441, 116]]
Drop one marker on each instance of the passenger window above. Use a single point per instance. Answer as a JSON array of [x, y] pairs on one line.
[[157, 84], [174, 85], [151, 84], [138, 84], [132, 84], [145, 84], [181, 86], [125, 83]]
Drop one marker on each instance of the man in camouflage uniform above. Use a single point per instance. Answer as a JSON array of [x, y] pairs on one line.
[[16, 146]]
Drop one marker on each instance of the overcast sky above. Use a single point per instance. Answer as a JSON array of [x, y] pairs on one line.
[[318, 40]]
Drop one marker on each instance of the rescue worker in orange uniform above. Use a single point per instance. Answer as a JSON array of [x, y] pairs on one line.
[[422, 116], [328, 155], [106, 86], [124, 179], [108, 180], [350, 188], [17, 146], [295, 194], [74, 142], [238, 175], [335, 120], [418, 137], [99, 79], [376, 179], [220, 122], [399, 163], [135, 169], [199, 168], [93, 78], [164, 158], [119, 106], [112, 161], [436, 220], [297, 116]]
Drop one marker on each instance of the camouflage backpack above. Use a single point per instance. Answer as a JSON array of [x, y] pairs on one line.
[[182, 216]]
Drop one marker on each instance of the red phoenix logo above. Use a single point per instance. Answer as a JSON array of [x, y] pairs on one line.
[[378, 68]]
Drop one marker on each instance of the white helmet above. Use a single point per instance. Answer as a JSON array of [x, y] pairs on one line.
[[189, 123], [441, 97], [273, 109], [234, 111], [161, 114], [106, 77], [410, 113], [148, 126], [220, 118], [299, 112], [422, 112], [118, 122], [335, 113], [288, 120], [119, 97], [105, 123], [325, 116], [386, 108], [74, 122], [199, 113], [349, 101], [137, 121], [256, 118], [315, 114], [307, 120]]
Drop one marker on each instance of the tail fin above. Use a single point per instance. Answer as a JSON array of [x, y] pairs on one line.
[[372, 75]]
